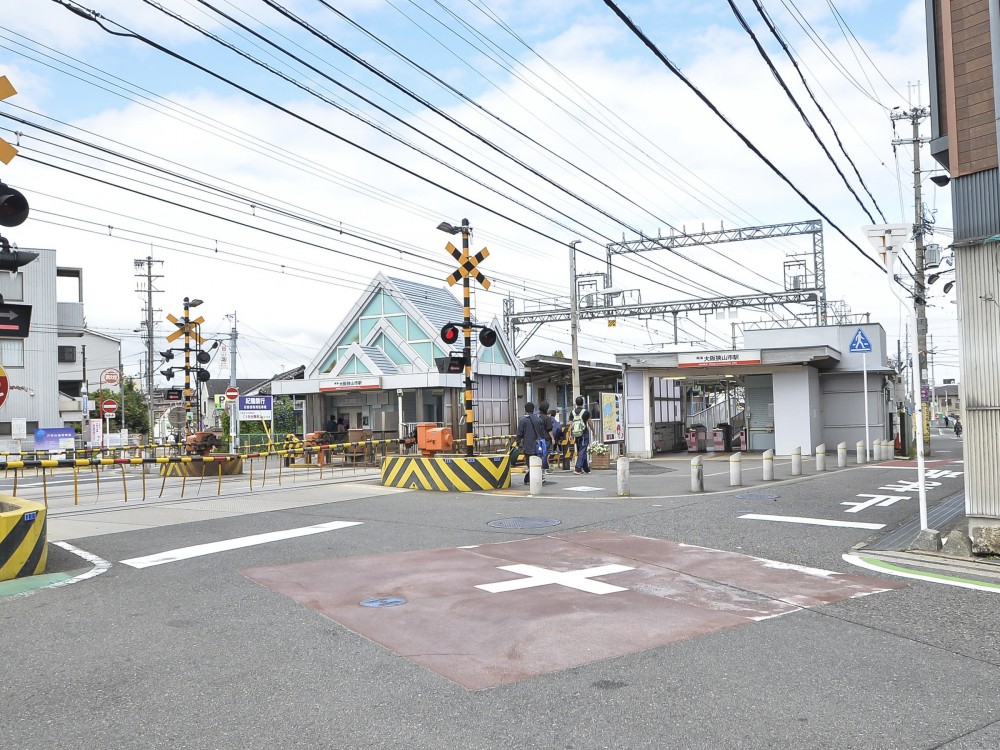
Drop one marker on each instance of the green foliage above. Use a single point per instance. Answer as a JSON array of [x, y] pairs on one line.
[[284, 416], [558, 353], [136, 407]]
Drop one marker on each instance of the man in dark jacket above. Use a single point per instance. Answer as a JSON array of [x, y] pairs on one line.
[[530, 431]]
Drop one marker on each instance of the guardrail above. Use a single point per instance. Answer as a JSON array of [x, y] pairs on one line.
[[356, 454]]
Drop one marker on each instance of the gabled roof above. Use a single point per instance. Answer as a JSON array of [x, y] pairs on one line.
[[382, 362], [437, 305]]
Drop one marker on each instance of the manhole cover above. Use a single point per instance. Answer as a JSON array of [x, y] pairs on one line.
[[523, 523], [648, 468], [756, 496], [383, 601]]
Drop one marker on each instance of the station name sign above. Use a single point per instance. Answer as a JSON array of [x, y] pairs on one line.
[[719, 358], [352, 383]]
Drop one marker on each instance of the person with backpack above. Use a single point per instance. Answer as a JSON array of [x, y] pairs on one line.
[[530, 436], [580, 432]]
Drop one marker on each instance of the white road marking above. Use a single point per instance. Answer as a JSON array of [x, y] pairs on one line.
[[574, 579], [100, 566], [814, 521], [922, 575], [584, 489], [186, 553]]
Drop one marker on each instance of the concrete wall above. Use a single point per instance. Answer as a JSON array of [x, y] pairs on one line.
[[794, 410]]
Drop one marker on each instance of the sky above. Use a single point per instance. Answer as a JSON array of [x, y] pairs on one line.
[[273, 157]]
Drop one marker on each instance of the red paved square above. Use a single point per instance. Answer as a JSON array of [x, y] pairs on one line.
[[496, 613]]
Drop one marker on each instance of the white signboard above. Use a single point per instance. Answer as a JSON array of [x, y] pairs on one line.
[[719, 359], [351, 383], [254, 408], [96, 431], [19, 428]]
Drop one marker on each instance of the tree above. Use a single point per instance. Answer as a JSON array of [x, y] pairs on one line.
[[558, 353], [284, 416], [136, 406]]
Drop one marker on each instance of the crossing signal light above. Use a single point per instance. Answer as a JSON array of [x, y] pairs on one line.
[[204, 375], [449, 333], [487, 337], [13, 207], [203, 357], [168, 373], [167, 355]]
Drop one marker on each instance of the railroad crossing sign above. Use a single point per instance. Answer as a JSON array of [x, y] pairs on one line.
[[4, 386], [467, 265], [7, 152], [191, 328], [109, 406], [232, 393]]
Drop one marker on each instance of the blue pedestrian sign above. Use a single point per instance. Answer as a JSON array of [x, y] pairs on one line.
[[860, 343]]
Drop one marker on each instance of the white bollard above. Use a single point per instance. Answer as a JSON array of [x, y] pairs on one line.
[[862, 454], [821, 457], [736, 470], [887, 449], [697, 475], [768, 466], [623, 477], [841, 455], [796, 462], [535, 476]]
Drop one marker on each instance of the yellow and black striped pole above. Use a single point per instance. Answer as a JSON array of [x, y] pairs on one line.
[[187, 366], [467, 323]]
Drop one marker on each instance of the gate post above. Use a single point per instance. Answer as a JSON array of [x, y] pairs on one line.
[[796, 462]]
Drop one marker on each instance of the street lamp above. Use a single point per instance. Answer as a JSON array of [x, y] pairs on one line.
[[887, 240]]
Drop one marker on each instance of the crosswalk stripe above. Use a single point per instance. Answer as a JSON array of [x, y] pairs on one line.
[[814, 521], [186, 553]]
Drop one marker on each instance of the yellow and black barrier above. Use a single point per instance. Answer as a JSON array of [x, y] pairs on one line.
[[208, 466], [23, 551], [447, 473]]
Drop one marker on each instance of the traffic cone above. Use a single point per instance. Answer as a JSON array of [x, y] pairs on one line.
[[898, 446]]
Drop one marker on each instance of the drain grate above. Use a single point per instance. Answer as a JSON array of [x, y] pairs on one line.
[[383, 601], [757, 496], [523, 523]]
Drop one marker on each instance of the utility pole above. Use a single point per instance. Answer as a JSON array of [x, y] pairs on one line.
[[233, 405], [574, 322], [915, 115], [149, 325]]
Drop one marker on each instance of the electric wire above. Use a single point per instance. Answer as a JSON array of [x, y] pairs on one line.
[[746, 141]]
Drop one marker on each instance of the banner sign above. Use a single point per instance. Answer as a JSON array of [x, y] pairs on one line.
[[612, 430], [54, 438], [351, 383]]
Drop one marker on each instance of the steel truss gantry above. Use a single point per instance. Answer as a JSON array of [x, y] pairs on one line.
[[803, 293]]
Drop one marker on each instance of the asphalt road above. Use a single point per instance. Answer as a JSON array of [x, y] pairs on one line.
[[200, 652]]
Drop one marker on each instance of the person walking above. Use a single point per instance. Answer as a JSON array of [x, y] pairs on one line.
[[543, 415], [530, 436], [580, 432]]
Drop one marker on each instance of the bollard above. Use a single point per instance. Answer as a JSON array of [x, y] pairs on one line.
[[736, 470], [886, 450], [821, 457], [623, 477], [697, 475], [861, 453], [768, 465], [841, 455], [797, 462], [535, 476]]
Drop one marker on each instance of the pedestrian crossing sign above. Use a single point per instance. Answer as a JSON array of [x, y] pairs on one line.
[[860, 343]]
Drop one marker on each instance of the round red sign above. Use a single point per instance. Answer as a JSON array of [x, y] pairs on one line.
[[109, 406], [4, 386], [232, 393]]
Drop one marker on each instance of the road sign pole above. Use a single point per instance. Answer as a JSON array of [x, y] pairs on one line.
[[864, 371]]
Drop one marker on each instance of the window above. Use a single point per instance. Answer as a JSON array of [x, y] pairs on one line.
[[12, 352], [67, 354]]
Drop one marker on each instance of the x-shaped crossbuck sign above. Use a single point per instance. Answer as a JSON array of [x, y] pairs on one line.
[[467, 266], [191, 327]]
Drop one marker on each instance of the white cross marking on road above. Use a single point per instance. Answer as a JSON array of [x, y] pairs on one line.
[[574, 579], [908, 485], [880, 500]]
